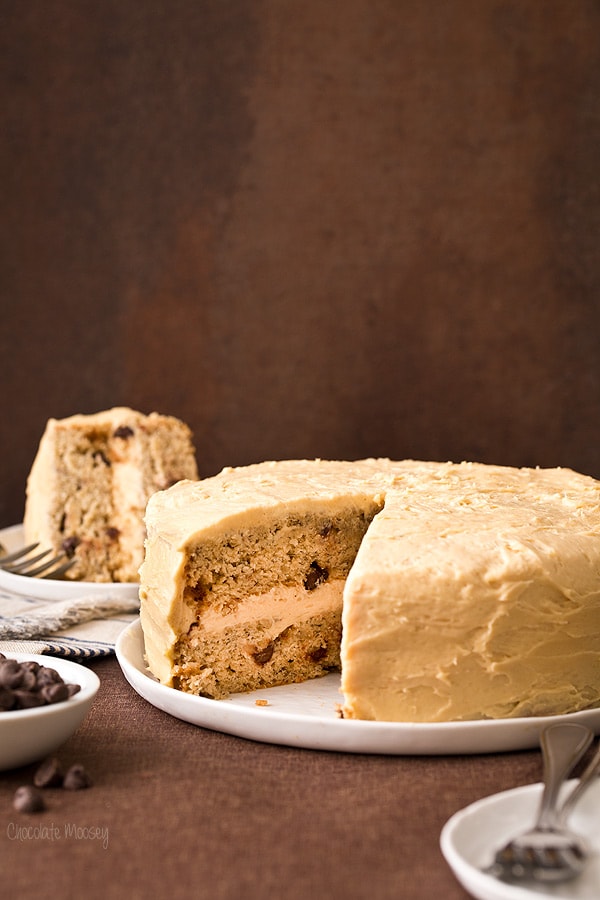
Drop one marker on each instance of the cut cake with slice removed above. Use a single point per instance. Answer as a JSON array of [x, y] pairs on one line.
[[462, 591], [90, 482]]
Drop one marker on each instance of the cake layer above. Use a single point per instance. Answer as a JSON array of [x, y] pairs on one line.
[[469, 591]]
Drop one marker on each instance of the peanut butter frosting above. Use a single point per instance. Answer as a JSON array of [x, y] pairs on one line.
[[475, 592]]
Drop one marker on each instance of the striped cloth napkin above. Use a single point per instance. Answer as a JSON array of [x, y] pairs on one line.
[[83, 627]]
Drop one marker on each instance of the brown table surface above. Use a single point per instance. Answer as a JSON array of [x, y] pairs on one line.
[[179, 811]]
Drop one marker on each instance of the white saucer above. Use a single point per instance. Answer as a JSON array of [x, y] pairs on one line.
[[48, 589], [470, 837], [305, 715]]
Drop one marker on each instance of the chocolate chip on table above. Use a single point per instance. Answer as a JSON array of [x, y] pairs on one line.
[[49, 774], [28, 799], [76, 778]]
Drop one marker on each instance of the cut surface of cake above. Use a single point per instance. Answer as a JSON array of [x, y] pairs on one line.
[[90, 481], [443, 591]]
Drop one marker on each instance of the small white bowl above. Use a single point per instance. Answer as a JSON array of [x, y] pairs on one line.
[[29, 735]]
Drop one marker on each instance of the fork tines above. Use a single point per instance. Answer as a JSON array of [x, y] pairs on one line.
[[21, 563]]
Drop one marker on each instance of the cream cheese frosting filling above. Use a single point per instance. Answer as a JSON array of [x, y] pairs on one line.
[[276, 609]]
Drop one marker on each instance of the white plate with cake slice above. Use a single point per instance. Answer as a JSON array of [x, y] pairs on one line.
[[306, 715], [12, 539]]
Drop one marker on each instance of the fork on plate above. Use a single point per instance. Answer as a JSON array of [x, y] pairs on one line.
[[551, 852], [46, 564]]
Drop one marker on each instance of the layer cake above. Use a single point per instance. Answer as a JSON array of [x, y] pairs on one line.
[[443, 591]]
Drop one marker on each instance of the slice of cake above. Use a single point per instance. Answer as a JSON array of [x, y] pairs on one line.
[[455, 591], [90, 482]]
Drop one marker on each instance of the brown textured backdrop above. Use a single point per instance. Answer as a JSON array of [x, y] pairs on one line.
[[324, 229]]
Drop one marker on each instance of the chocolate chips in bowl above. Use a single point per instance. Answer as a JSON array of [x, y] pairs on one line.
[[25, 685], [42, 702]]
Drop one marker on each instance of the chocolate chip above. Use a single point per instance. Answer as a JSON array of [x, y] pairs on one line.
[[31, 665], [7, 699], [112, 533], [315, 576], [28, 799], [11, 673], [49, 774], [76, 778], [54, 693], [46, 675], [28, 699], [99, 454], [123, 431], [264, 655], [317, 654], [70, 545]]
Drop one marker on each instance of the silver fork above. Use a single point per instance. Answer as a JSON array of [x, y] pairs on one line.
[[42, 565], [550, 852]]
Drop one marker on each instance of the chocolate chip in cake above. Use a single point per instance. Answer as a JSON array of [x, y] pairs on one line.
[[316, 576], [112, 533], [123, 431], [28, 799], [262, 656], [317, 654], [70, 545], [326, 528], [99, 454]]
